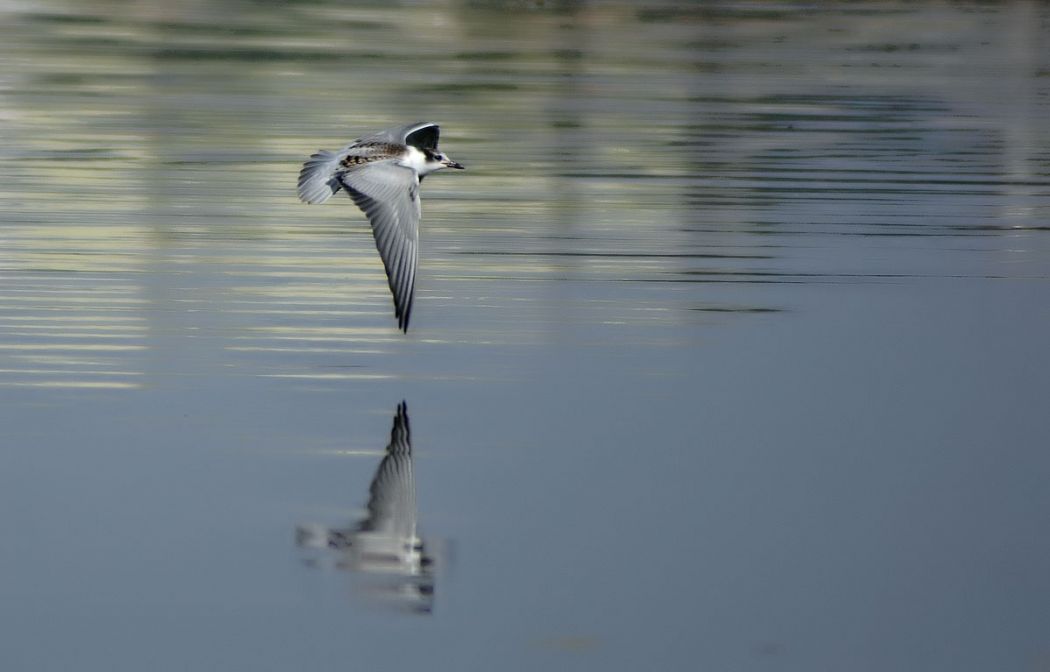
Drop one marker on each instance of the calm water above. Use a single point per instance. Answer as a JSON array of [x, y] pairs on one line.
[[728, 353]]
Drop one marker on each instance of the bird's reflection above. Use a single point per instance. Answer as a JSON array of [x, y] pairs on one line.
[[385, 546]]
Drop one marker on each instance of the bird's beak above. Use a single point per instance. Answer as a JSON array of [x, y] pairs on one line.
[[453, 164]]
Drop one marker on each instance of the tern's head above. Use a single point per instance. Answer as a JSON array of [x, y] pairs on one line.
[[437, 160]]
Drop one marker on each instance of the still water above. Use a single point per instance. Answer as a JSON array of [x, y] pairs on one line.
[[728, 352]]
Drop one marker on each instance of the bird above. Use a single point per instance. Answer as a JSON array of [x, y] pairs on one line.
[[382, 173]]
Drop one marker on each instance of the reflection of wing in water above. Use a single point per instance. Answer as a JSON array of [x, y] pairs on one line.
[[385, 544], [392, 505]]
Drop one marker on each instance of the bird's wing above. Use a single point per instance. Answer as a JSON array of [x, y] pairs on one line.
[[422, 134], [392, 501], [389, 195]]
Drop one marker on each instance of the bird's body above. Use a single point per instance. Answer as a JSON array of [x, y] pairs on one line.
[[382, 172]]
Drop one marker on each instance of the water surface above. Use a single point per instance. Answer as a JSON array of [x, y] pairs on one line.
[[728, 349]]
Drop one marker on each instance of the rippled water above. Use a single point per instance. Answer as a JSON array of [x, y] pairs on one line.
[[728, 352]]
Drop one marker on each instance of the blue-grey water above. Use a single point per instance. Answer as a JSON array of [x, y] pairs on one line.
[[729, 349]]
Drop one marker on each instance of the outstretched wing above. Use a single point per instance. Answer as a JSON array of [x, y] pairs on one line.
[[389, 195]]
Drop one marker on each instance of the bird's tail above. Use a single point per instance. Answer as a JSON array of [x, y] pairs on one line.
[[317, 179]]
